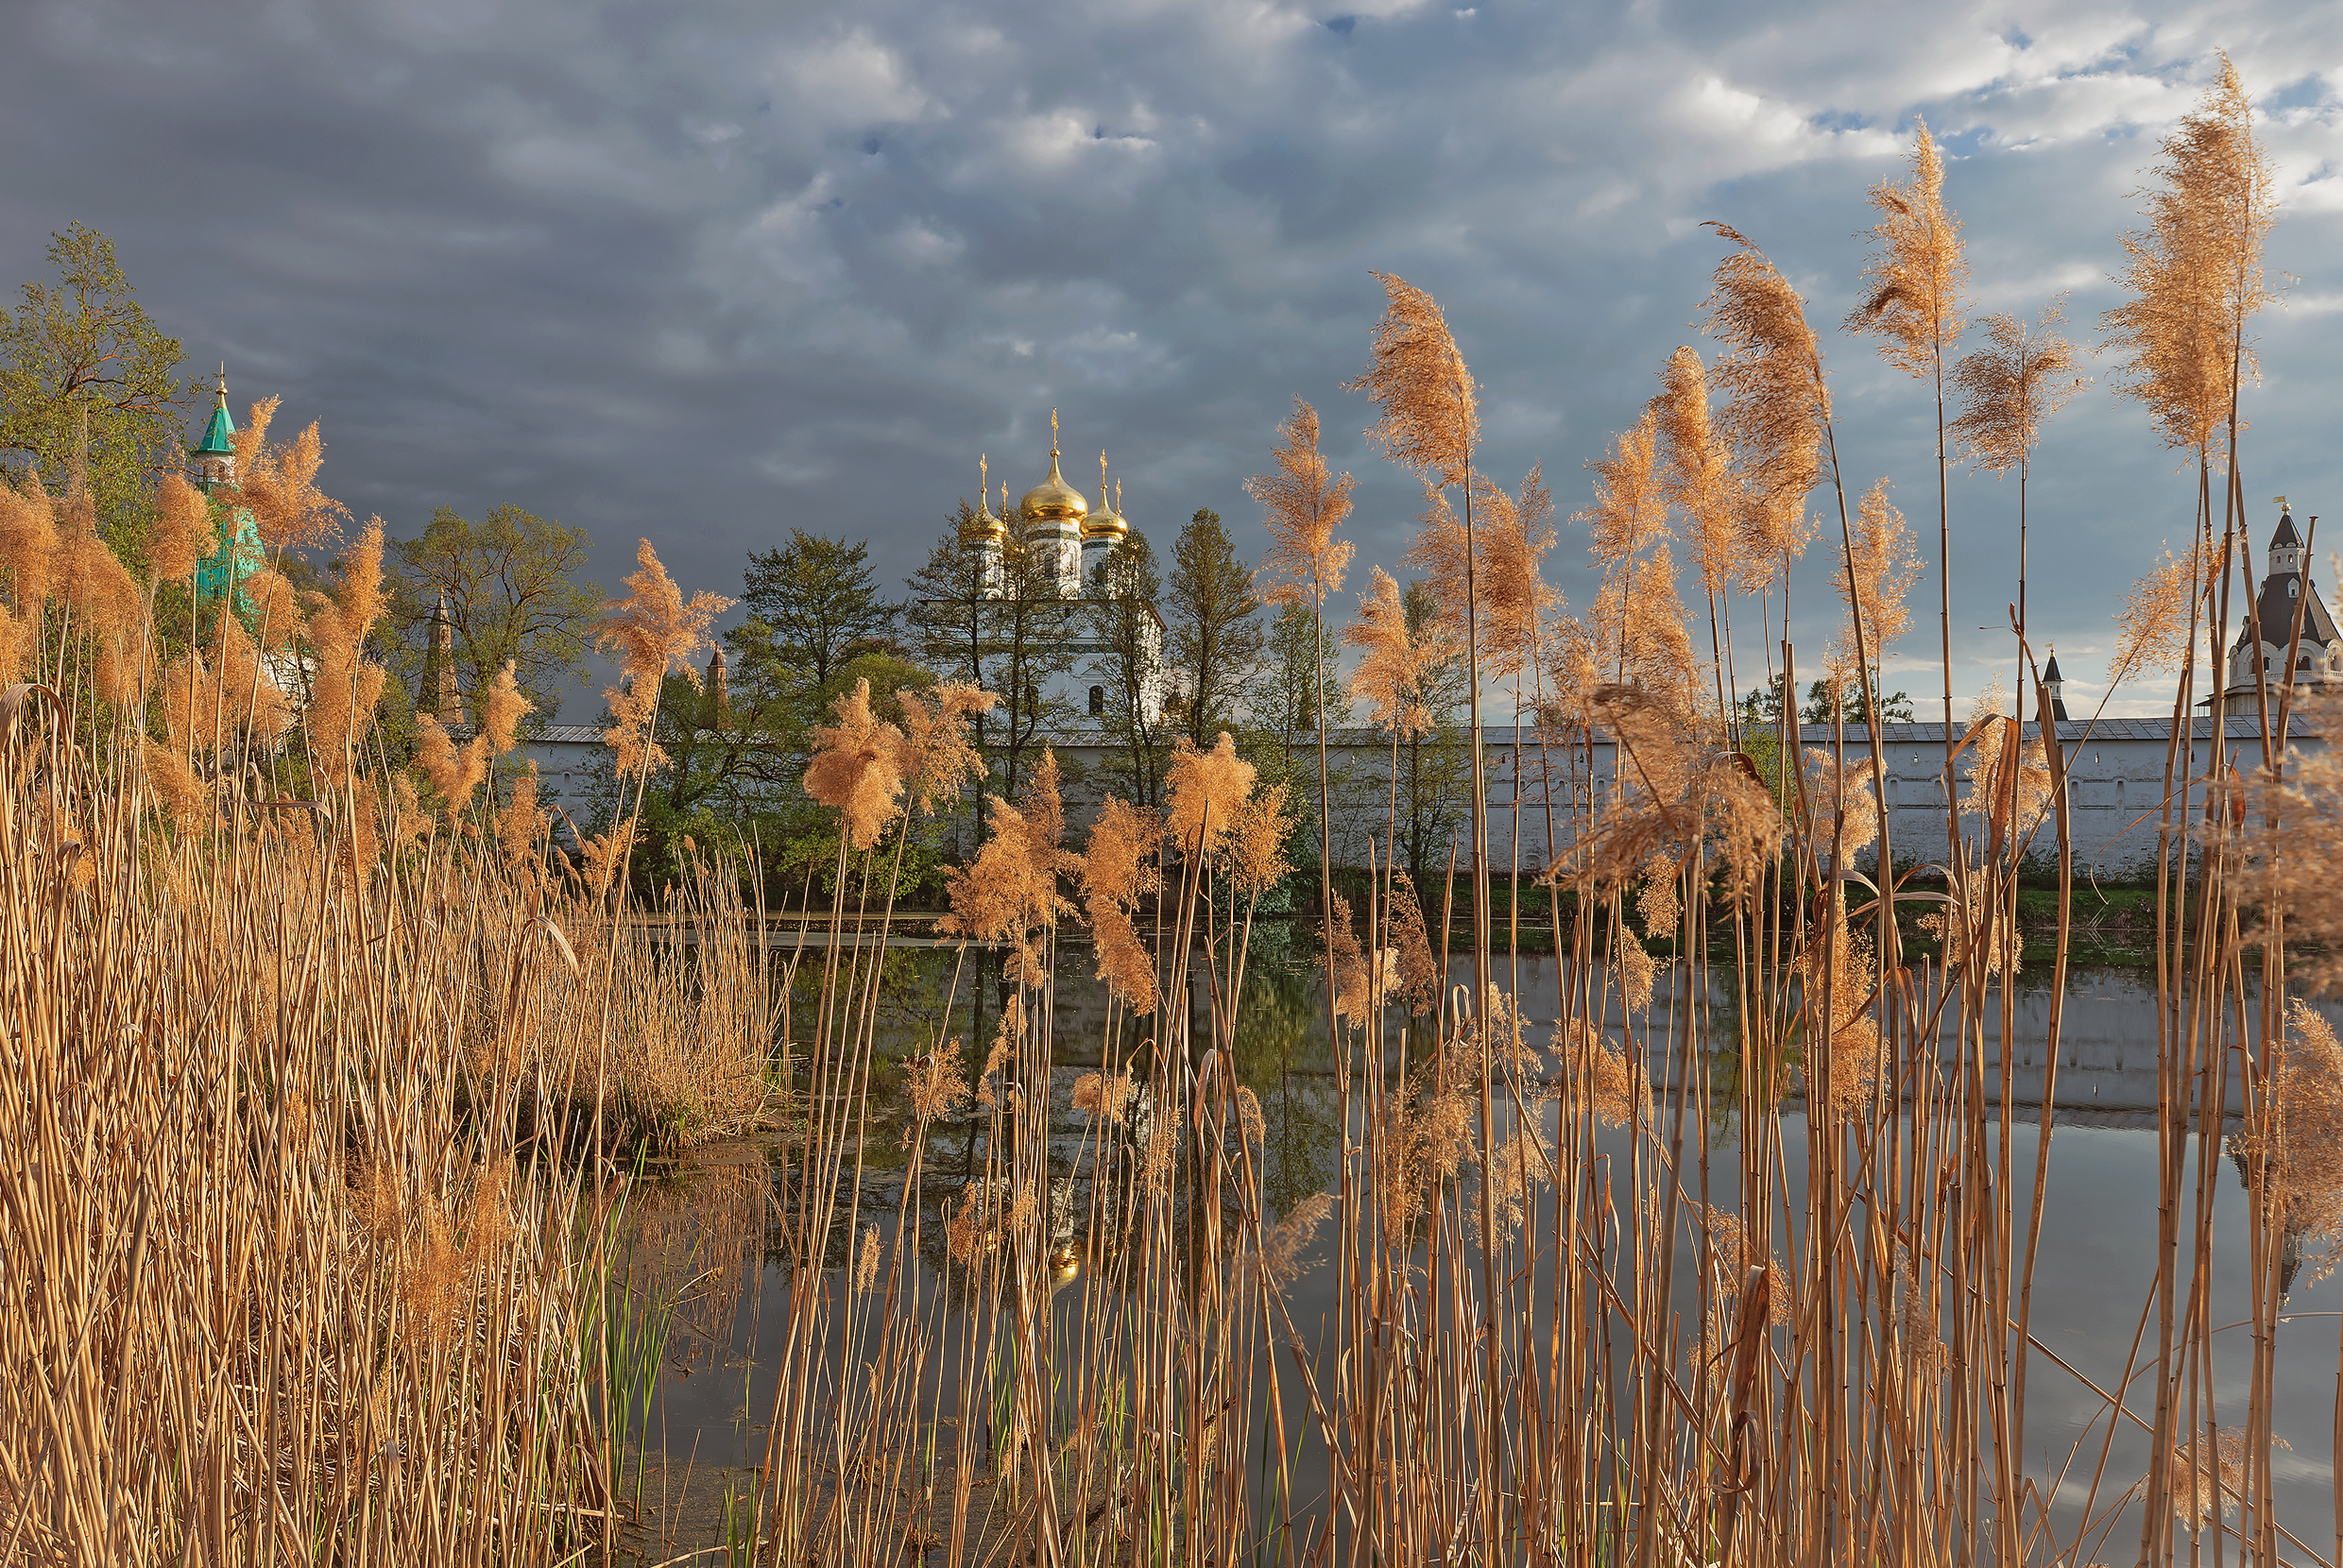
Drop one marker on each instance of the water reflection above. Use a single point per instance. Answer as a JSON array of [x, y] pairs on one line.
[[2098, 1247]]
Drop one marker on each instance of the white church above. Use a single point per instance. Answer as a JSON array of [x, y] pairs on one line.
[[1068, 540]]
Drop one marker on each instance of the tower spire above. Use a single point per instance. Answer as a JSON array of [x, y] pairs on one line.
[[439, 693], [214, 458]]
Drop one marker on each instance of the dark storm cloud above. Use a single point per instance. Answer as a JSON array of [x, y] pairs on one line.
[[706, 272]]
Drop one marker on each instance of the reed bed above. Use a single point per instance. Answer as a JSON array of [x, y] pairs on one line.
[[1696, 1272], [320, 1077]]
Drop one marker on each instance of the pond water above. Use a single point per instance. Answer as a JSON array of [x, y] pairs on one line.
[[712, 1222]]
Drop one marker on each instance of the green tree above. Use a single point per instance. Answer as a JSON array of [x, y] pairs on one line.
[[738, 750], [1284, 707], [1214, 620], [514, 591], [1286, 698], [1007, 630], [821, 600], [1128, 633], [79, 360], [1435, 765], [1895, 708]]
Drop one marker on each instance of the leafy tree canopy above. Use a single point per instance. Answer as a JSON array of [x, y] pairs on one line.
[[515, 590], [79, 360], [821, 600]]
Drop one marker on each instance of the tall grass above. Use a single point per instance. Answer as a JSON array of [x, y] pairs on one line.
[[1738, 1263], [313, 1091]]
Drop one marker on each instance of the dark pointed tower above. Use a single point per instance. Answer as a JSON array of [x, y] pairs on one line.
[[2265, 641], [716, 695], [439, 696], [2057, 684]]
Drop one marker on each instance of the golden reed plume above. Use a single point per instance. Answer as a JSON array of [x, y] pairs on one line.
[[2008, 389], [1775, 402], [1430, 420], [1397, 667], [1880, 570], [1302, 506], [1917, 267], [1698, 479], [2195, 272], [654, 629]]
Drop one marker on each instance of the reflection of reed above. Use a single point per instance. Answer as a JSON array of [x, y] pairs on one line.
[[697, 1241]]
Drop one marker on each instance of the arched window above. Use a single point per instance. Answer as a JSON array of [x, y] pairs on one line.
[[1097, 700]]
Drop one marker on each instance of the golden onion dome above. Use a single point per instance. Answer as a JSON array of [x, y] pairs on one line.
[[1053, 500], [1107, 522], [983, 528]]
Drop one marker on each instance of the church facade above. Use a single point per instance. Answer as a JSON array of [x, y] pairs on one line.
[[1068, 540]]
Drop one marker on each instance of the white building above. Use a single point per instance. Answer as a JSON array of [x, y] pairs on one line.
[[1069, 540]]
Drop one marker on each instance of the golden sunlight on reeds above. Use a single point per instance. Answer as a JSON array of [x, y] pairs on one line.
[[1687, 1211]]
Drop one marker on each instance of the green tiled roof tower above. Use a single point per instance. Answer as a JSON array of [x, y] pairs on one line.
[[241, 553]]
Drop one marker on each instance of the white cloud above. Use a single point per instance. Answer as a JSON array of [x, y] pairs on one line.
[[849, 79]]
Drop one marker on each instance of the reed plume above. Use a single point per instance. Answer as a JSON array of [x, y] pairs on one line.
[[857, 768], [502, 710], [183, 533], [1880, 570], [2307, 1176], [1302, 505], [1630, 513], [278, 484], [2152, 628], [1916, 275], [1116, 872], [346, 685], [1642, 634], [1255, 846], [1698, 476], [96, 587], [1844, 1059], [1419, 972], [1207, 789], [2010, 388], [2195, 271], [1358, 985], [452, 772], [1430, 418], [520, 824], [2007, 390], [185, 797], [2290, 874], [1917, 269], [1395, 668], [654, 629], [27, 541], [1008, 893], [935, 756], [1776, 403], [276, 608]]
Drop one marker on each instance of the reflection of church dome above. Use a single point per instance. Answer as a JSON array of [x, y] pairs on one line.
[[1053, 500]]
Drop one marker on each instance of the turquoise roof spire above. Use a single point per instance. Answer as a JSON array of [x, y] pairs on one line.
[[217, 436]]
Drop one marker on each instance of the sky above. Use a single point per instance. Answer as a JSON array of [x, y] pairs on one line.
[[703, 271]]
